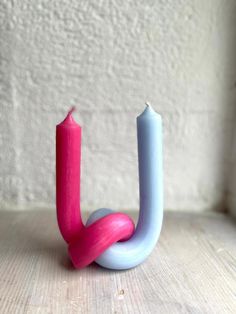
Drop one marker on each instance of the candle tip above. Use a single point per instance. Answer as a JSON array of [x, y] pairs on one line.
[[69, 117], [148, 110]]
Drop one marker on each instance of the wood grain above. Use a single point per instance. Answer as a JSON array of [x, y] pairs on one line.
[[192, 270]]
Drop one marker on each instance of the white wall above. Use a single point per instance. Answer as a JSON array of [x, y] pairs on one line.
[[107, 58]]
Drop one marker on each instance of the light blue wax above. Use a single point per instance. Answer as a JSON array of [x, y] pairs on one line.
[[124, 255]]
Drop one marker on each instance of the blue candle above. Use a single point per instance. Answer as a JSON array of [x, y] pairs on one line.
[[124, 255]]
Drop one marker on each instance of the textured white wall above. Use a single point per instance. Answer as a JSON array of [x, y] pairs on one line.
[[107, 58]]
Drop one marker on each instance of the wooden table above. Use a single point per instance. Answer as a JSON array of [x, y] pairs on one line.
[[192, 270]]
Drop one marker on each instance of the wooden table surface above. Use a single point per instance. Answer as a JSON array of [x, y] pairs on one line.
[[192, 270]]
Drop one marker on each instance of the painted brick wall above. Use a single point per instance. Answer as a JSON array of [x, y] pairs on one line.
[[108, 58]]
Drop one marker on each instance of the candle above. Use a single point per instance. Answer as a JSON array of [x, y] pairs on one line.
[[68, 154], [98, 240]]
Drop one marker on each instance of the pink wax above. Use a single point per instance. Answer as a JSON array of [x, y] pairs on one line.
[[68, 156], [85, 243]]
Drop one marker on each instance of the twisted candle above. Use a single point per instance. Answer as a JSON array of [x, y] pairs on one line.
[[98, 240]]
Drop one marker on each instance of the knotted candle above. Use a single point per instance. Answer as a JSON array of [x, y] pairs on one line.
[[104, 227]]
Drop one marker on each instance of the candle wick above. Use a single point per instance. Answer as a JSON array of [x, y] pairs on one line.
[[71, 110]]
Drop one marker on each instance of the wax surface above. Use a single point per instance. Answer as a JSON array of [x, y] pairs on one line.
[[99, 239], [124, 255], [68, 154]]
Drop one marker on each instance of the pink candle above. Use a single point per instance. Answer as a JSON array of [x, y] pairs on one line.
[[85, 243], [68, 155]]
